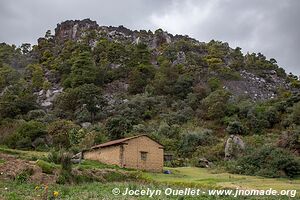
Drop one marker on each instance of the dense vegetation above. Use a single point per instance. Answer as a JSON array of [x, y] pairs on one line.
[[183, 105]]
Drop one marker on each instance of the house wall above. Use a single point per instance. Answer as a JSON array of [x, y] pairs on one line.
[[108, 155], [132, 154], [129, 154]]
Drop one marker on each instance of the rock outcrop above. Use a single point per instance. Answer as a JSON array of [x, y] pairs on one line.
[[234, 147], [74, 29], [46, 97], [255, 87]]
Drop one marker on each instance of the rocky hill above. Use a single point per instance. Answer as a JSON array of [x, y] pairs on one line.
[[88, 84], [247, 79]]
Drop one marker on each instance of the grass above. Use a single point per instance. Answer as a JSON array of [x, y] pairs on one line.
[[205, 178], [11, 190], [91, 164], [180, 178], [27, 155]]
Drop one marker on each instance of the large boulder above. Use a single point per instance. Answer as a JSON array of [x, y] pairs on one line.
[[234, 147], [204, 163]]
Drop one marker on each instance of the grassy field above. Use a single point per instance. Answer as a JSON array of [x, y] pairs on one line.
[[180, 178], [205, 178], [92, 191]]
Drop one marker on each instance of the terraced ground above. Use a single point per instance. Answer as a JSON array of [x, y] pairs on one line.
[[180, 178]]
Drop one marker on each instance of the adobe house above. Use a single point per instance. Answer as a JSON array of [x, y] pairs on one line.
[[137, 152]]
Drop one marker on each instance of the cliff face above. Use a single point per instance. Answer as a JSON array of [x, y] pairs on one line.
[[74, 29]]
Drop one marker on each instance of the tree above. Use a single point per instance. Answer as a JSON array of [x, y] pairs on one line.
[[26, 134], [296, 113], [118, 126], [237, 58], [191, 140], [48, 34], [25, 48], [87, 96], [83, 70], [165, 78], [8, 76], [140, 77], [182, 86], [235, 127], [60, 131], [35, 74], [16, 100], [215, 104], [214, 83], [91, 96]]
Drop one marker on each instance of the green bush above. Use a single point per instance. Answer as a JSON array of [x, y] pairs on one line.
[[60, 131], [54, 156], [214, 83], [36, 114], [192, 140], [140, 77], [26, 134], [215, 104], [23, 176], [65, 175], [267, 161], [118, 126], [296, 113], [213, 153], [290, 140], [235, 127], [181, 116], [46, 167]]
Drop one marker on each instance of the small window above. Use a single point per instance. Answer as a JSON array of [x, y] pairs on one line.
[[144, 155]]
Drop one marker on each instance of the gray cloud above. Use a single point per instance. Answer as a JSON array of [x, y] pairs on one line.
[[270, 27]]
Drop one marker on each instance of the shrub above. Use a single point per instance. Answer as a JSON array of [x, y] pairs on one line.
[[235, 127], [65, 175], [8, 127], [181, 116], [272, 116], [296, 113], [45, 166], [17, 100], [192, 140], [212, 153], [60, 131], [256, 120], [23, 176], [140, 77], [215, 104], [165, 130], [118, 126], [290, 140], [55, 156], [26, 134], [36, 114], [268, 162], [214, 83]]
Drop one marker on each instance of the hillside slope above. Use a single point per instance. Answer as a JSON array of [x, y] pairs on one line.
[[206, 102]]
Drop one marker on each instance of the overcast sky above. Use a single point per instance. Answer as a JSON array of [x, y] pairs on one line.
[[271, 27]]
